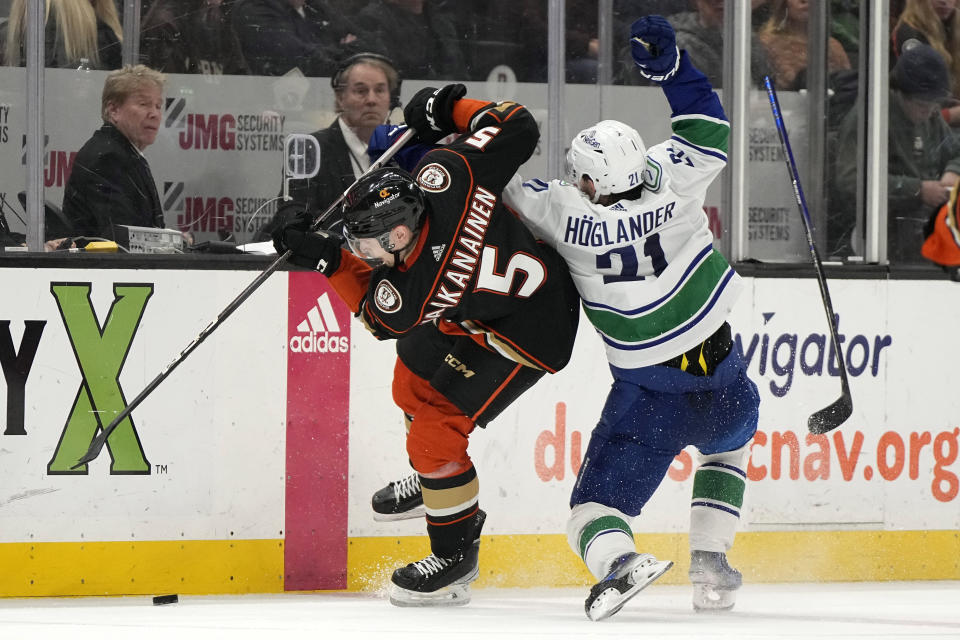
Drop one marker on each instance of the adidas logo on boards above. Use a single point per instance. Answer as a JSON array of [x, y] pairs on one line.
[[319, 331]]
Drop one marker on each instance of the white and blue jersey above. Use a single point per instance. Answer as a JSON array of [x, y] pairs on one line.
[[648, 275]]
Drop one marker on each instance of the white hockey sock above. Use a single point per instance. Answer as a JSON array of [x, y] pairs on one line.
[[718, 488], [599, 535]]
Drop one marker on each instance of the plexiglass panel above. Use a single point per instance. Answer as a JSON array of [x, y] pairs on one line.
[[13, 119], [240, 75]]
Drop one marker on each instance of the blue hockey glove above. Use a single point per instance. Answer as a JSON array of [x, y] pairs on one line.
[[318, 250], [385, 135], [653, 45], [430, 112]]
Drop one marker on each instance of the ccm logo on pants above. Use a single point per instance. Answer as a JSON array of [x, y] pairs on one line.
[[458, 366]]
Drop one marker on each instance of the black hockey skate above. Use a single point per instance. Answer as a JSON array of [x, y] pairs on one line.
[[715, 582], [438, 582], [630, 573], [399, 500]]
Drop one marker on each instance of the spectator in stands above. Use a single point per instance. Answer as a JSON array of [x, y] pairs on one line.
[[111, 183], [191, 36], [845, 27], [784, 37], [494, 33], [700, 32], [760, 13], [514, 33], [277, 36], [75, 31], [923, 154], [419, 35], [367, 88], [582, 44], [937, 23], [896, 10], [942, 246], [625, 9]]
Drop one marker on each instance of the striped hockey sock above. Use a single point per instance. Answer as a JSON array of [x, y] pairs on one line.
[[718, 488], [599, 535], [451, 504]]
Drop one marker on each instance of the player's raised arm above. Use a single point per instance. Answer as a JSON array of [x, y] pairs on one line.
[[697, 151], [496, 138], [654, 49]]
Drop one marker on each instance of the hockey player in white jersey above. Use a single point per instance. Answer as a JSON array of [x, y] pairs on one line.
[[631, 226]]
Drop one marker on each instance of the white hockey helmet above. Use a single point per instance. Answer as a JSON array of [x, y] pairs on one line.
[[612, 154]]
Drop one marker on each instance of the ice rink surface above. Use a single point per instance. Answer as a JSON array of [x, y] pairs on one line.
[[804, 611]]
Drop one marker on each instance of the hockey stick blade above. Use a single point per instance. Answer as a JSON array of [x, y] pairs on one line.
[[96, 445], [835, 414], [831, 416]]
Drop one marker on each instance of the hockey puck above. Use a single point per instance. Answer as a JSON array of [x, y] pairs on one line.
[[170, 599]]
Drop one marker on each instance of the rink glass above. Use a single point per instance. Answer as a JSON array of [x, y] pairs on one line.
[[218, 158]]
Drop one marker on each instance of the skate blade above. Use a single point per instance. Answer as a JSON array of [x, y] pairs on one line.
[[707, 599], [416, 512], [455, 595], [611, 600]]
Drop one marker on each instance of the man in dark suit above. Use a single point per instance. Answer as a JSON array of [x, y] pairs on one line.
[[366, 88], [111, 183]]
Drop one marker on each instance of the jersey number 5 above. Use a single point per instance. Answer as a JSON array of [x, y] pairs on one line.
[[526, 266], [630, 262], [482, 137]]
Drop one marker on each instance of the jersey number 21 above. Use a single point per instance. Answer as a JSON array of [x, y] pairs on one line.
[[630, 262]]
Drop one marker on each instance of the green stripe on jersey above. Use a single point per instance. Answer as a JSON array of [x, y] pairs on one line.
[[598, 526], [721, 486], [679, 308], [703, 133]]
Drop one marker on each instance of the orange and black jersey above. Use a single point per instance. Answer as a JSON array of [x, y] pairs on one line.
[[476, 269], [942, 243]]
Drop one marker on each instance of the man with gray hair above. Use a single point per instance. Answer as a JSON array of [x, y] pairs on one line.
[[111, 183]]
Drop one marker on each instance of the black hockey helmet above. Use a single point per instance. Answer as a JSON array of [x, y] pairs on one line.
[[381, 200]]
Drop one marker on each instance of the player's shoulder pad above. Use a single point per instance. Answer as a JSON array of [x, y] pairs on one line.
[[437, 169], [536, 184]]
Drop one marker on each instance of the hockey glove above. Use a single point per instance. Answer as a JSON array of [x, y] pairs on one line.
[[384, 136], [430, 112], [318, 250], [653, 45]]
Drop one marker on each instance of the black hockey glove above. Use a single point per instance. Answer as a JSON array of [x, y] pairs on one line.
[[653, 45], [430, 112], [318, 250]]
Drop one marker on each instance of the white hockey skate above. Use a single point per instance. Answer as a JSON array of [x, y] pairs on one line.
[[715, 582], [630, 574]]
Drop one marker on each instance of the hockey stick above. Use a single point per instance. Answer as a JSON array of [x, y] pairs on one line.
[[96, 445], [833, 415]]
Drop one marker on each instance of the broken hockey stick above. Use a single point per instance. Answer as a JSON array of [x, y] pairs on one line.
[[96, 445], [833, 415]]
